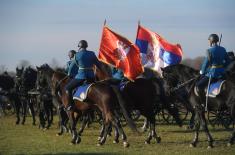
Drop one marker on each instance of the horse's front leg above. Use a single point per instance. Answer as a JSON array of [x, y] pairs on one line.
[[24, 108], [232, 138], [17, 106], [30, 103], [73, 121], [205, 127]]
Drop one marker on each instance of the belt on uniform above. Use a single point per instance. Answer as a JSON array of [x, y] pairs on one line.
[[217, 66], [86, 68]]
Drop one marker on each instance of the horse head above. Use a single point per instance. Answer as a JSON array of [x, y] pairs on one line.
[[43, 76], [103, 72]]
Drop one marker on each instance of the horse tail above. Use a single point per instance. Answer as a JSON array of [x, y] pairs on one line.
[[122, 104]]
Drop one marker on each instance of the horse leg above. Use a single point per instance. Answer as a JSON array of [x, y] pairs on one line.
[[232, 138], [204, 126], [117, 125], [30, 103], [116, 135], [62, 121], [197, 127], [152, 132], [41, 119], [75, 137], [24, 107], [146, 125], [101, 131], [192, 120], [105, 133], [83, 125], [17, 106]]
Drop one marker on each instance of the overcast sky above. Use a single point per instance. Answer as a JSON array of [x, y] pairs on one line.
[[44, 30]]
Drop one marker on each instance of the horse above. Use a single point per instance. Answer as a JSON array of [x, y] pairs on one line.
[[176, 74], [142, 95], [6, 90], [100, 95], [25, 81], [46, 101]]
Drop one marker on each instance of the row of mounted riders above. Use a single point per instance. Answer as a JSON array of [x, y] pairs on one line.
[[148, 96]]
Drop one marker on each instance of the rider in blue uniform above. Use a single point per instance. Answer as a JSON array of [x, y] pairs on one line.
[[71, 67], [214, 64], [85, 60]]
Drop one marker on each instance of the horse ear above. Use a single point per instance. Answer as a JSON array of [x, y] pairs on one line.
[[37, 67], [162, 69]]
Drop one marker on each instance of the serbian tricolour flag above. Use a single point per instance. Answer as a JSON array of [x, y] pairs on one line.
[[121, 53], [156, 52]]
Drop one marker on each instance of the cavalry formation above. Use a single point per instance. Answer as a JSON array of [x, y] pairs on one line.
[[148, 95]]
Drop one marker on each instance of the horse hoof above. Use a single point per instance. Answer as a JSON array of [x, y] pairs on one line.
[[147, 142], [99, 138], [78, 140], [98, 144], [229, 144], [58, 134], [209, 147], [158, 139], [126, 144], [192, 145], [115, 141]]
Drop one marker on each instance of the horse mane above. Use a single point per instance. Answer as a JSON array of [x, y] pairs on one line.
[[106, 68]]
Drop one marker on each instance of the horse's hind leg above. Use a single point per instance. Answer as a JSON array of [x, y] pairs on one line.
[[117, 125], [152, 132], [83, 125], [103, 138], [73, 121], [204, 126]]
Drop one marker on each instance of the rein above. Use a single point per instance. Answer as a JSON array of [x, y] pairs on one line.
[[182, 85]]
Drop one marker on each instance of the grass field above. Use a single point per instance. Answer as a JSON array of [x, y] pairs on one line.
[[28, 139]]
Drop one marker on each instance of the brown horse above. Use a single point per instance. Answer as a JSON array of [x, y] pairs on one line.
[[100, 95]]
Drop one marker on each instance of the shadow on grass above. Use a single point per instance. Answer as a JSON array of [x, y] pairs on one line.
[[88, 153]]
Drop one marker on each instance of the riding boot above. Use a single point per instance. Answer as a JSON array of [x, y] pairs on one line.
[[70, 105]]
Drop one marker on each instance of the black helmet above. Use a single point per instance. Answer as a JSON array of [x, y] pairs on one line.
[[83, 44], [214, 38]]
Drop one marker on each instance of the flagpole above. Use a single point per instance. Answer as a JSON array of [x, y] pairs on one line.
[[104, 22]]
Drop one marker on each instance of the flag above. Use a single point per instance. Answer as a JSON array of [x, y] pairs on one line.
[[121, 53], [155, 51]]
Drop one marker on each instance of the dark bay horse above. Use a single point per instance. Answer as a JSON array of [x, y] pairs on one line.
[[145, 96], [100, 95], [45, 101], [177, 74], [25, 81]]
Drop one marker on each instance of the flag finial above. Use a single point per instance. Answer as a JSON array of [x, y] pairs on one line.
[[138, 22], [104, 22]]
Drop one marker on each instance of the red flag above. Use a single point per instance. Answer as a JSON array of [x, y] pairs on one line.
[[120, 52]]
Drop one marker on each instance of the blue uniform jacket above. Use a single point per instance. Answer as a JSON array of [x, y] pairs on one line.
[[72, 68], [117, 74], [215, 62], [85, 60]]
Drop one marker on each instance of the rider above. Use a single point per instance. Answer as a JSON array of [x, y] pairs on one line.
[[214, 64], [85, 60], [71, 67]]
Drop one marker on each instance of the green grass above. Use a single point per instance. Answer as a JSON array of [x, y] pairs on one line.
[[28, 139]]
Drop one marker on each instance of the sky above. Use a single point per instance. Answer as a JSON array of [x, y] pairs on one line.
[[43, 31]]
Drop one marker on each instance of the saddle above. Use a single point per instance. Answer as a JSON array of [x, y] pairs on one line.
[[215, 89], [80, 92]]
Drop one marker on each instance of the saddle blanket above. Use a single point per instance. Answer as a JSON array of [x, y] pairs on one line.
[[81, 92], [215, 88]]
